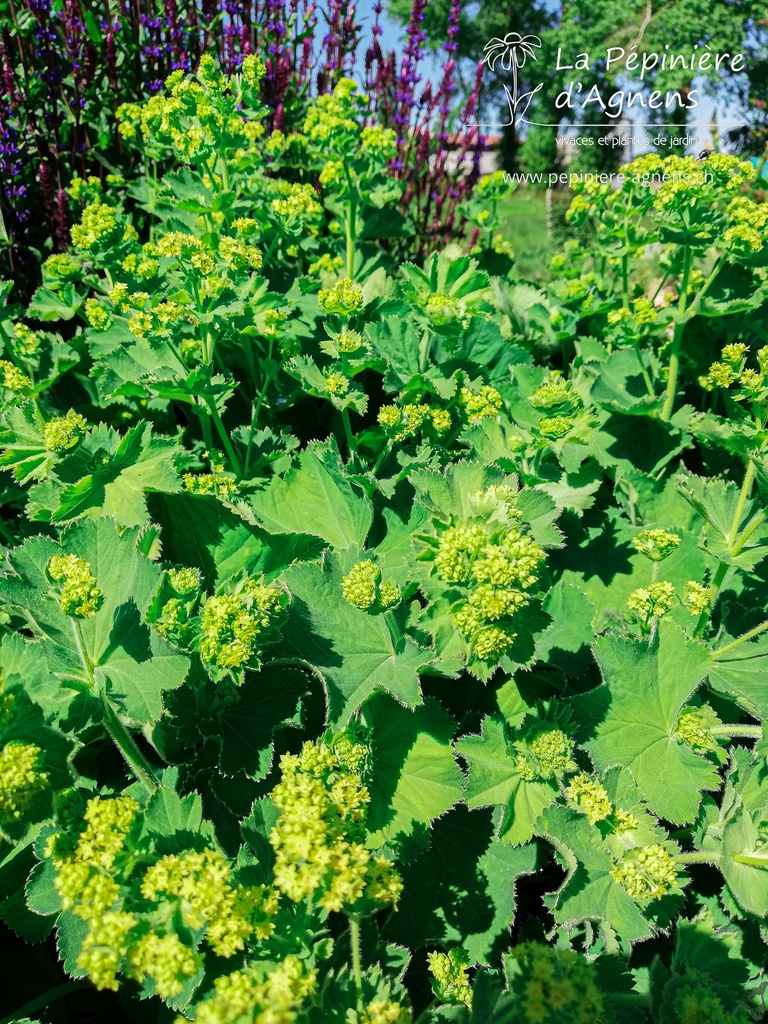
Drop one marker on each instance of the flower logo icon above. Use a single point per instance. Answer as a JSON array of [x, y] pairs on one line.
[[511, 53]]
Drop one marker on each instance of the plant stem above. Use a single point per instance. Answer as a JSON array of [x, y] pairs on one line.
[[714, 590], [357, 970], [752, 732], [39, 1002], [699, 857], [744, 493], [646, 378], [677, 340], [205, 426], [426, 1010], [127, 747], [749, 635], [348, 433], [753, 859], [115, 728], [382, 455], [84, 658], [350, 229], [231, 454], [424, 348]]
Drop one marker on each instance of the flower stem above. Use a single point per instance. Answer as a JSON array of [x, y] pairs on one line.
[[677, 340], [699, 857], [39, 1002], [127, 747], [231, 454], [714, 590], [350, 230], [750, 635], [351, 445], [752, 732], [744, 493], [357, 970], [755, 860]]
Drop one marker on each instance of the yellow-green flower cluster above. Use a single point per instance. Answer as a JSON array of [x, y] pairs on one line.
[[234, 626], [20, 780], [624, 821], [79, 595], [165, 959], [244, 996], [63, 265], [647, 873], [143, 264], [63, 433], [26, 342], [97, 223], [196, 115], [482, 404], [403, 422], [555, 986], [498, 569], [451, 979], [364, 587], [385, 1011], [185, 580], [327, 264], [336, 383], [345, 298], [553, 392], [732, 370], [319, 838], [194, 889], [298, 207], [555, 427], [156, 320], [694, 728], [656, 544], [253, 69], [696, 597], [332, 119], [96, 315], [200, 885], [378, 142], [746, 235], [652, 601], [495, 185], [237, 254], [546, 755], [12, 377], [445, 309], [218, 481], [86, 885], [590, 797]]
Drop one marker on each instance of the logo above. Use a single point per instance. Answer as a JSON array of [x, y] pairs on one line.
[[512, 52], [597, 103]]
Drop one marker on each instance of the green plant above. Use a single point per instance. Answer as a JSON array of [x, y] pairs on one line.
[[335, 629]]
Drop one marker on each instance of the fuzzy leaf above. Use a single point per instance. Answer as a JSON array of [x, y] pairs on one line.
[[415, 776], [114, 648], [356, 653], [316, 498], [462, 889], [630, 720]]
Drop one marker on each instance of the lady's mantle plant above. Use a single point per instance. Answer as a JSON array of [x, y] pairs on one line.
[[385, 644]]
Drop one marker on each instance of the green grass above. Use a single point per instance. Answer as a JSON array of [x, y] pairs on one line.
[[524, 223]]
